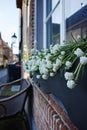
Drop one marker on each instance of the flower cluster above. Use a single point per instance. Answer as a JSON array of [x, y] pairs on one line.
[[49, 61]]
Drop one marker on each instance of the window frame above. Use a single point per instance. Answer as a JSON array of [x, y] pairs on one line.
[[46, 18]]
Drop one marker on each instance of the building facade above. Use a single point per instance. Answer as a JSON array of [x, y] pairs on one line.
[[6, 55], [45, 23]]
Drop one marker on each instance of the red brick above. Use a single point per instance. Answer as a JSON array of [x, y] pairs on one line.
[[48, 115]]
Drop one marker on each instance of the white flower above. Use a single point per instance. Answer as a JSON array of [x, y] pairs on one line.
[[71, 84], [69, 75], [60, 57], [45, 70], [45, 76], [48, 56], [43, 61], [45, 51], [49, 64], [42, 68], [68, 64], [38, 61], [34, 68], [57, 57], [62, 53], [83, 60], [38, 76], [55, 48], [58, 62], [52, 74], [34, 51], [78, 52], [55, 67]]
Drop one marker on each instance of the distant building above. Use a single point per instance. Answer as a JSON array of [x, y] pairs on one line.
[[6, 55]]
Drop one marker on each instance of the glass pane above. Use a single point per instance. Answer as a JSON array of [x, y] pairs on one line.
[[76, 19], [54, 3], [55, 23]]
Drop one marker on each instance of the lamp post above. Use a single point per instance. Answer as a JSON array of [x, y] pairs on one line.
[[14, 38]]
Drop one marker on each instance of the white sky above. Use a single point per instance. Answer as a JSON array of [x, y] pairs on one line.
[[9, 21], [10, 16]]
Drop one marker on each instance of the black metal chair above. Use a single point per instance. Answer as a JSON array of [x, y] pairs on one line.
[[13, 97]]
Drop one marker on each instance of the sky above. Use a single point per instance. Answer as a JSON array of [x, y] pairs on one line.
[[10, 16], [9, 21]]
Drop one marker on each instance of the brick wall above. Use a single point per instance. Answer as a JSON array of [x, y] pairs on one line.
[[31, 24], [48, 114]]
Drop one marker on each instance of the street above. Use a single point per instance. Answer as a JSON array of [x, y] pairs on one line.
[[3, 76]]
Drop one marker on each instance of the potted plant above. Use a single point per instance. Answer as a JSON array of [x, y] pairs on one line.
[[62, 70], [48, 62]]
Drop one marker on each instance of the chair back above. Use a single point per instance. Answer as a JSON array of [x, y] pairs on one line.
[[10, 105]]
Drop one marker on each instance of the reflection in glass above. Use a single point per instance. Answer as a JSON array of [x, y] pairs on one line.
[[56, 23], [76, 19], [75, 13]]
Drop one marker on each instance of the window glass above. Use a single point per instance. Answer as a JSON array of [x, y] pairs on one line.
[[73, 14], [76, 19], [53, 22]]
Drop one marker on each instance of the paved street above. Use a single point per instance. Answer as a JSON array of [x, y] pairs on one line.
[[3, 76], [3, 72]]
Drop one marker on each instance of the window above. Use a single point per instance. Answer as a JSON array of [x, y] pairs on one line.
[[53, 22], [64, 20], [76, 20]]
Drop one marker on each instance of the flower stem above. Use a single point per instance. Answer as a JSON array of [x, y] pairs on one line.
[[77, 71]]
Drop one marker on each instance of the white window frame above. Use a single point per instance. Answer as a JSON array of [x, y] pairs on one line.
[[44, 24], [62, 25]]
